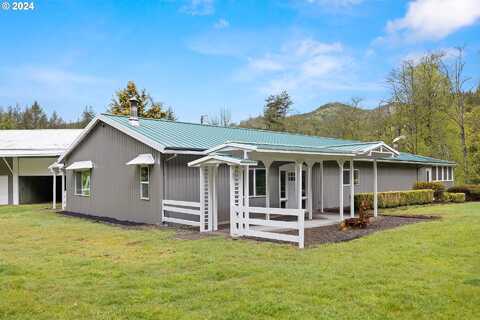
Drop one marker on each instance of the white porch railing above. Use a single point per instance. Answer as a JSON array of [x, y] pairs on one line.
[[184, 207], [242, 224]]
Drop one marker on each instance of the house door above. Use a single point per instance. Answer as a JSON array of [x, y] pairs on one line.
[[428, 173], [291, 190], [288, 198]]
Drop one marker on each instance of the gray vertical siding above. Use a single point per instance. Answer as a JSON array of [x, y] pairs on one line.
[[4, 171], [115, 187]]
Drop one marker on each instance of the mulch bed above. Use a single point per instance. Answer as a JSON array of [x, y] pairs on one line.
[[332, 234]]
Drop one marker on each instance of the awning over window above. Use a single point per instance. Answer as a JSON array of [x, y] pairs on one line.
[[142, 159], [80, 165]]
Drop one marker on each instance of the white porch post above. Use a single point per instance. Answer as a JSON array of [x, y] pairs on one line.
[[340, 188], [352, 189], [310, 165], [246, 199], [299, 165], [214, 199], [202, 199], [54, 204], [15, 187], [267, 164], [375, 189], [321, 191]]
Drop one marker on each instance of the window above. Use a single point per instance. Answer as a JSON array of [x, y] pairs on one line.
[[144, 183], [291, 176], [257, 182], [304, 184], [443, 173], [283, 184], [82, 183], [434, 173], [346, 177]]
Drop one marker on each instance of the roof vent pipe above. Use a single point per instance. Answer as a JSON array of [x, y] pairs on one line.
[[133, 119]]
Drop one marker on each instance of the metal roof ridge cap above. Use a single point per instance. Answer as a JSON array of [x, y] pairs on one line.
[[233, 128]]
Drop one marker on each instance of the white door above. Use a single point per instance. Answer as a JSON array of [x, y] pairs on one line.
[[291, 190], [3, 190], [428, 174]]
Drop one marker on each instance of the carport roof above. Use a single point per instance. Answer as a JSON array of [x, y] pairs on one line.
[[36, 142]]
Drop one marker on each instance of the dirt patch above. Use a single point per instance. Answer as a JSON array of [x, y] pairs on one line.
[[332, 234]]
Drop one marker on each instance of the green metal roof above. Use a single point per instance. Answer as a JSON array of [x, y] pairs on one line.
[[192, 136]]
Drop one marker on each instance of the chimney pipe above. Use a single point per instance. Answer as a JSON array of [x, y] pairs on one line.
[[133, 119]]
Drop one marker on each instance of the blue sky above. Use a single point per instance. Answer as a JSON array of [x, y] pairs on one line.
[[202, 55]]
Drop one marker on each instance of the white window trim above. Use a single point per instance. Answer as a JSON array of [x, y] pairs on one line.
[[446, 177], [144, 182], [358, 173], [255, 183], [82, 190]]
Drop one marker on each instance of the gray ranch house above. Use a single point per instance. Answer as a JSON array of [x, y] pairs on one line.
[[257, 182]]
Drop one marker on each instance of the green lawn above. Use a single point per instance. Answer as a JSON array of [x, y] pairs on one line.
[[55, 267]]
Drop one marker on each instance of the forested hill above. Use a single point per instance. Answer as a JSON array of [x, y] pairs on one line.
[[335, 119]]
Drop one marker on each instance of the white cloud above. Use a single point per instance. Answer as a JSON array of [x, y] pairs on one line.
[[198, 7], [434, 19], [417, 56], [221, 24], [304, 66]]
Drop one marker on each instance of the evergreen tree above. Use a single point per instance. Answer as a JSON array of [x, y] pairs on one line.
[[276, 109], [147, 107]]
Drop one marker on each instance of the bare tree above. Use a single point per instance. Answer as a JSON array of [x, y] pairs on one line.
[[457, 110], [223, 119]]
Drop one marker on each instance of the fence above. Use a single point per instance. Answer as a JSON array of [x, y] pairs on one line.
[[188, 208], [243, 224]]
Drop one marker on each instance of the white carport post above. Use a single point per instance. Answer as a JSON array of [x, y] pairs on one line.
[[375, 189], [352, 190], [321, 186], [340, 188], [310, 165], [15, 188], [64, 195], [54, 204], [267, 164], [298, 173]]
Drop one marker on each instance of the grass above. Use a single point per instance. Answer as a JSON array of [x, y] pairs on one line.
[[56, 267]]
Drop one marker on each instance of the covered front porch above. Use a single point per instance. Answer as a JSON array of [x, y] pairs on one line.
[[272, 190]]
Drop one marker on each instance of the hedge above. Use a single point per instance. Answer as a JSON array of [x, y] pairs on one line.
[[453, 197], [471, 191], [393, 199], [437, 187]]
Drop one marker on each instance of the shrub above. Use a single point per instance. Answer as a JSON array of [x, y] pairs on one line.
[[393, 199], [437, 187], [471, 191], [454, 197]]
